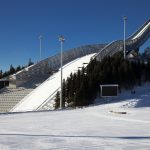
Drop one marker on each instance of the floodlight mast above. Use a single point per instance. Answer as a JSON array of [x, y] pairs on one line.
[[124, 19], [61, 39], [40, 38]]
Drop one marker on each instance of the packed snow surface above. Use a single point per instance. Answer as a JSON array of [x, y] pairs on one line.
[[98, 127], [47, 90]]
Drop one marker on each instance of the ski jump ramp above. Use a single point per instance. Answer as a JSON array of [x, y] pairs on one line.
[[132, 43], [42, 96]]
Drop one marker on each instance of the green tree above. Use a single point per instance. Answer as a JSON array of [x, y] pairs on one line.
[[30, 62], [1, 74], [82, 87], [18, 68], [57, 100], [11, 70], [63, 93]]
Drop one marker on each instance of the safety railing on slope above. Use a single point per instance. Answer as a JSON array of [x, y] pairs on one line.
[[102, 50], [106, 50], [48, 99]]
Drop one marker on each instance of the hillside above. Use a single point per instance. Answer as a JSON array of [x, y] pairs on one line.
[[91, 128]]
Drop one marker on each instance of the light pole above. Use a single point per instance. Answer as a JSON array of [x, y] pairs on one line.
[[40, 38], [61, 39], [124, 19]]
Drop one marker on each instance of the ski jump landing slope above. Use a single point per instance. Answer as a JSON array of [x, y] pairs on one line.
[[48, 89]]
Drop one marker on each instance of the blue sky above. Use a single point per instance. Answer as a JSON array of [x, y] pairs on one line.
[[80, 21]]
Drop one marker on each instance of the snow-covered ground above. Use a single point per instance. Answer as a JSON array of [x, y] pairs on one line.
[[98, 127], [46, 90]]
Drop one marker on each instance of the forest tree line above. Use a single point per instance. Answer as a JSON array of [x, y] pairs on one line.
[[82, 87], [13, 70]]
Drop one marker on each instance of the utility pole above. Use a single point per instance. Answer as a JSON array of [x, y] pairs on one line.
[[124, 19], [61, 39], [40, 38]]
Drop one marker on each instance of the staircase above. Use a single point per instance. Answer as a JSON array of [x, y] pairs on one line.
[[9, 97]]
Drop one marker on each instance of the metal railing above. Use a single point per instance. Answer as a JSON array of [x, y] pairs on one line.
[[48, 99]]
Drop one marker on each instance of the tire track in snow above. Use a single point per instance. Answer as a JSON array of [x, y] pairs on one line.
[[118, 118]]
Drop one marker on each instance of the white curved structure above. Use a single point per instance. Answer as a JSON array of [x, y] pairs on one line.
[[48, 89], [142, 31]]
